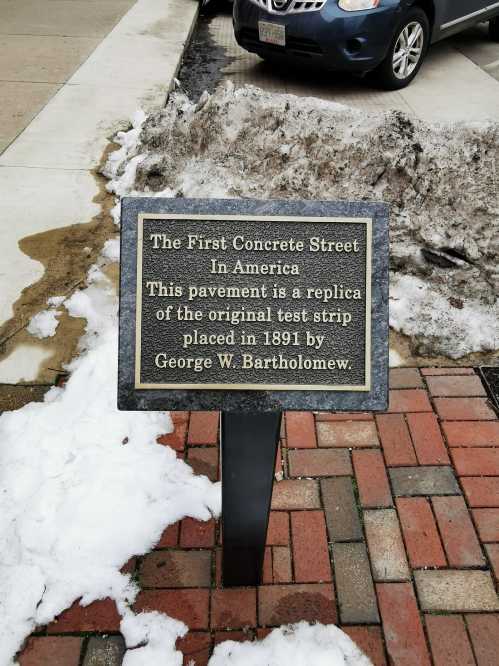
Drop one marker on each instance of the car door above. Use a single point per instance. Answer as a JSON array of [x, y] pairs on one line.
[[457, 11]]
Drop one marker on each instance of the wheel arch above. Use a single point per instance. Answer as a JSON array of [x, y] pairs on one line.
[[428, 6]]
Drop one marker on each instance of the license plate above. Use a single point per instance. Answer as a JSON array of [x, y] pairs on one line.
[[272, 33]]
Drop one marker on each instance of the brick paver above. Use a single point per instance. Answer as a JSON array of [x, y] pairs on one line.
[[342, 512], [456, 590], [354, 584], [484, 633], [233, 608], [321, 462], [420, 532], [300, 430], [458, 533], [395, 439], [196, 648], [176, 568], [427, 438], [282, 604], [487, 524], [404, 378], [278, 529], [175, 439], [169, 537], [449, 640], [291, 494], [481, 491], [204, 461], [409, 400], [52, 651], [404, 634], [464, 409], [452, 386], [97, 616], [310, 551], [424, 481], [372, 479], [386, 548], [197, 533], [347, 434], [478, 433], [367, 511], [476, 462], [370, 640], [189, 606], [203, 428], [104, 651], [282, 571], [492, 550]]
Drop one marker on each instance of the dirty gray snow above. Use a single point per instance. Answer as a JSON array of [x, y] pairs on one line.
[[440, 181]]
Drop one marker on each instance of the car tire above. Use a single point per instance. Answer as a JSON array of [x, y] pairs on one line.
[[212, 7], [398, 69], [494, 29]]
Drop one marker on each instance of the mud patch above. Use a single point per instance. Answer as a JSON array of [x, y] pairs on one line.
[[66, 253]]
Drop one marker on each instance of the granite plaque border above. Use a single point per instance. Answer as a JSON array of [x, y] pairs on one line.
[[229, 397]]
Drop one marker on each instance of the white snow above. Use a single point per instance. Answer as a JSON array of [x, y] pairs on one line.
[[44, 324], [111, 249], [416, 306], [55, 301], [301, 644], [128, 142], [83, 488], [152, 638], [394, 359]]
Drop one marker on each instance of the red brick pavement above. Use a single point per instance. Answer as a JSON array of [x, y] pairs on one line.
[[422, 478]]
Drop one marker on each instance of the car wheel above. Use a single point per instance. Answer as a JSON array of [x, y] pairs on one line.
[[494, 29], [407, 51]]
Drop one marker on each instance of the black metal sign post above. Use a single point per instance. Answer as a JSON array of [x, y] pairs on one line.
[[249, 446], [252, 308]]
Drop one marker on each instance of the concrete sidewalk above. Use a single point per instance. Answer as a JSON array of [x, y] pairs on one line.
[[41, 45], [48, 174], [385, 524]]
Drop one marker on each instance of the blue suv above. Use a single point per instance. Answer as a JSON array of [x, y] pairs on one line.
[[388, 37]]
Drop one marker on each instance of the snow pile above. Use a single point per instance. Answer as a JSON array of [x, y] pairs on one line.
[[83, 487], [151, 638], [295, 645], [441, 182], [44, 324], [111, 249], [125, 160], [413, 306]]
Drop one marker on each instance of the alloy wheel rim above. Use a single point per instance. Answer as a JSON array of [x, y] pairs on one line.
[[408, 50]]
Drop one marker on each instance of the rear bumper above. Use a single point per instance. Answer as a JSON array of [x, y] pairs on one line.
[[330, 38]]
